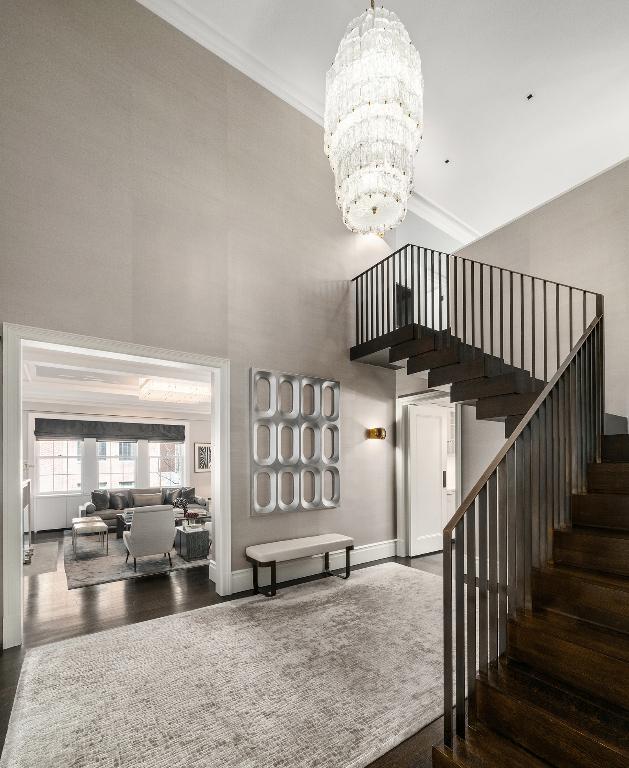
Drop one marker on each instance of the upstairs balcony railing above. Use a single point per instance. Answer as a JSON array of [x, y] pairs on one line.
[[527, 322]]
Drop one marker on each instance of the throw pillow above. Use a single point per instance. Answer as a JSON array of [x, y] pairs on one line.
[[146, 499], [118, 501], [188, 495], [100, 499], [170, 495]]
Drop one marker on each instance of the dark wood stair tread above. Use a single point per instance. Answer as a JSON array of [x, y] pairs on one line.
[[470, 369], [592, 596], [599, 549], [517, 382], [608, 477], [552, 721], [586, 657], [601, 510], [615, 448], [502, 406], [483, 748]]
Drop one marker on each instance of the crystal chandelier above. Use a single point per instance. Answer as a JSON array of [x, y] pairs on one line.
[[373, 120]]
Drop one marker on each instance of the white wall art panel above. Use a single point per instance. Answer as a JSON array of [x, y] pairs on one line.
[[295, 442]]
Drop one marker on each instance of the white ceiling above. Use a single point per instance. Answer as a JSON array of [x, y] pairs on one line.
[[480, 59], [80, 379]]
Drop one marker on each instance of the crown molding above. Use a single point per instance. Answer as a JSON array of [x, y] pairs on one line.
[[186, 20], [179, 14], [441, 218]]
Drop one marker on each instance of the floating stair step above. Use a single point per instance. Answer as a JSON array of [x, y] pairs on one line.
[[428, 342], [615, 448], [483, 748], [470, 369], [434, 359], [554, 724], [501, 406], [589, 595], [517, 382], [608, 478], [366, 350], [511, 422], [592, 660], [596, 549], [601, 510]]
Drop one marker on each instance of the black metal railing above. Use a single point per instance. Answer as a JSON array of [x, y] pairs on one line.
[[526, 322], [503, 529]]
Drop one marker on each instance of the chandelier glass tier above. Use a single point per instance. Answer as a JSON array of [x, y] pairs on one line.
[[373, 120]]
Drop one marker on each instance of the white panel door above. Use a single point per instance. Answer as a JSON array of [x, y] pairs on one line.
[[426, 478]]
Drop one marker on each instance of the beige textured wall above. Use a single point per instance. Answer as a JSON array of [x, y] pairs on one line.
[[152, 193], [580, 238]]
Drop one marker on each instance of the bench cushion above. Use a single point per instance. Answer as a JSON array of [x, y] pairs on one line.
[[292, 549]]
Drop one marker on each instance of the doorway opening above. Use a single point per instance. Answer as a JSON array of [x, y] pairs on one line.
[[98, 434], [429, 471]]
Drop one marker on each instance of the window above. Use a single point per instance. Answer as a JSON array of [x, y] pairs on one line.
[[59, 466], [166, 463], [116, 463]]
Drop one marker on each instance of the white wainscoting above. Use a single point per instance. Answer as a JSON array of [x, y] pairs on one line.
[[242, 580]]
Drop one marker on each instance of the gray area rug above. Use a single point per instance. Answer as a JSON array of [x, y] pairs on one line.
[[44, 559], [329, 674], [93, 566]]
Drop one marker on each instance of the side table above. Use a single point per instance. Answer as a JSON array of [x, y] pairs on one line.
[[192, 543]]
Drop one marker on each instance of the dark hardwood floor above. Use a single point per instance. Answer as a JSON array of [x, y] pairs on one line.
[[52, 613]]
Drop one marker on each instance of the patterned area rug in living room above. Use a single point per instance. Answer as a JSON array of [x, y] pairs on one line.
[[328, 674], [93, 566]]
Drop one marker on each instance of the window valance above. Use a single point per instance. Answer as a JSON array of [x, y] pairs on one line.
[[69, 429]]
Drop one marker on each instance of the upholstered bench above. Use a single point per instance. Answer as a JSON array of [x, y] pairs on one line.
[[268, 555]]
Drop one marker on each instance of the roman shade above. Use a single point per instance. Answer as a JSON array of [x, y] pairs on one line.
[[68, 429]]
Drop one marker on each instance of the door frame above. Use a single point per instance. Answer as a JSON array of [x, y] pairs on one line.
[[12, 337], [402, 459]]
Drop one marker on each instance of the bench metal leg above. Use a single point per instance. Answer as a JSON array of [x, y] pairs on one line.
[[256, 588], [327, 570]]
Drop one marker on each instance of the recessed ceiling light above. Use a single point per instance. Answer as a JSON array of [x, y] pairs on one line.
[[446, 161], [529, 97]]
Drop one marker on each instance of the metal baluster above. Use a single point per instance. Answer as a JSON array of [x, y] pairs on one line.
[[549, 450], [432, 290], [545, 336], [455, 294], [528, 513], [413, 292], [511, 530], [492, 489], [405, 286], [377, 300], [502, 358], [482, 580], [463, 261], [482, 309], [520, 535], [541, 507], [502, 556], [491, 311], [533, 324], [447, 638], [570, 312], [522, 322], [557, 326], [510, 317], [470, 539], [473, 305], [425, 288], [459, 591]]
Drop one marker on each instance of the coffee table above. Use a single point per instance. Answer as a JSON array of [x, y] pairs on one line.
[[93, 526]]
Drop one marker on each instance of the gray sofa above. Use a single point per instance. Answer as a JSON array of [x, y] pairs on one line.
[[119, 499]]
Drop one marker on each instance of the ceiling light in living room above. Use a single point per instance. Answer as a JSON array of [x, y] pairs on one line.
[[373, 120], [164, 391]]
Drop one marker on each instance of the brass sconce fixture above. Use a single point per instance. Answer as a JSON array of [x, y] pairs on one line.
[[376, 433]]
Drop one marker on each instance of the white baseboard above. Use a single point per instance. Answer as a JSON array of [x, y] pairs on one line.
[[242, 580]]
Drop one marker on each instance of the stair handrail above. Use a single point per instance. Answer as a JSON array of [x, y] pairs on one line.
[[516, 518], [471, 496]]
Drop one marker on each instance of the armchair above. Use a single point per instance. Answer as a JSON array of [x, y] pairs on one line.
[[152, 532]]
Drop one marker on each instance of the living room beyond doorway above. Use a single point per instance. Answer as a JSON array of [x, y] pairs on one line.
[[117, 474]]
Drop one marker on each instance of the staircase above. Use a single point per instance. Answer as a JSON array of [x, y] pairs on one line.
[[560, 694], [536, 558]]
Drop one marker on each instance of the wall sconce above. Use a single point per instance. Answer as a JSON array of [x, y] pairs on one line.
[[376, 433]]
